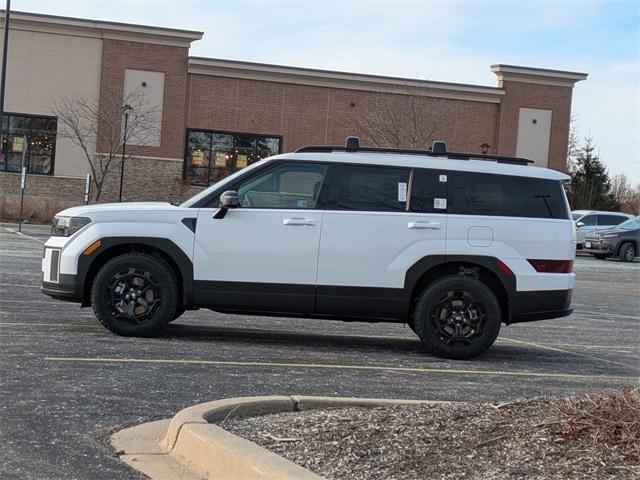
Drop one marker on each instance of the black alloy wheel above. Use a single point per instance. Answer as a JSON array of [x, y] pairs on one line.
[[457, 317], [135, 294]]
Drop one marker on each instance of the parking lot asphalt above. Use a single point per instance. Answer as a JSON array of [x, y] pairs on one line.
[[67, 382]]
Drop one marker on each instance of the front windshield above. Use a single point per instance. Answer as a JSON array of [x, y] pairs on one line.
[[631, 224], [576, 216]]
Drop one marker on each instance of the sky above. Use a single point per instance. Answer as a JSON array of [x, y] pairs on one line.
[[453, 41]]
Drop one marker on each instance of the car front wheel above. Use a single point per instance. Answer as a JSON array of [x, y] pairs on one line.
[[457, 317], [627, 252], [135, 294]]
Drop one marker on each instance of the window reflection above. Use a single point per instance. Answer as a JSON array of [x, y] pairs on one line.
[[211, 156], [31, 138]]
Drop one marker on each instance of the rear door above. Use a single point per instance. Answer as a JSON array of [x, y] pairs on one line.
[[373, 231], [607, 222]]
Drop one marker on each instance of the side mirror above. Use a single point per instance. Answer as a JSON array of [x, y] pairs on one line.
[[228, 199], [580, 224]]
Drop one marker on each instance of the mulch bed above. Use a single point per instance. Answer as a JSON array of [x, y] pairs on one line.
[[587, 437]]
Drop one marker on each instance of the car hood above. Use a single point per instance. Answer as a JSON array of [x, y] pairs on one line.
[[85, 210], [616, 231]]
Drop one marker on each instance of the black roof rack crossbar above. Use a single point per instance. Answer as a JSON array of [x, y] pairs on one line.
[[409, 151]]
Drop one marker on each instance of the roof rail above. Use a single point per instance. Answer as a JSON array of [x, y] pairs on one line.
[[439, 149]]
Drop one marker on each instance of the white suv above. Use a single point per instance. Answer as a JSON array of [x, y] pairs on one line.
[[451, 244]]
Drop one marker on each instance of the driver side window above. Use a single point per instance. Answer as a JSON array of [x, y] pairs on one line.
[[589, 220], [286, 186]]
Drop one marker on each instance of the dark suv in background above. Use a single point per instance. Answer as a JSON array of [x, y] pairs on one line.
[[621, 241]]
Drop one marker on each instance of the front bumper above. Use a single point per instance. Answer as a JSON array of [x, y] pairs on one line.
[[67, 288], [540, 305], [599, 247]]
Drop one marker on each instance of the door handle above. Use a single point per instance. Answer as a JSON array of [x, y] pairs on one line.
[[428, 225], [299, 221]]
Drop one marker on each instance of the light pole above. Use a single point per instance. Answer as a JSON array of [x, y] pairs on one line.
[[125, 110]]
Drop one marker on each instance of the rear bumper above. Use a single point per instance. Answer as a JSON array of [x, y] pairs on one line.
[[540, 305]]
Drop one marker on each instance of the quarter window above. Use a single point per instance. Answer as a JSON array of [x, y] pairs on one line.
[[370, 189], [29, 139], [504, 195], [211, 156], [290, 186]]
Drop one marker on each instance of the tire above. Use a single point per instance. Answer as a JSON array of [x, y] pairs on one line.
[[458, 337], [600, 257], [627, 252], [179, 311], [145, 279]]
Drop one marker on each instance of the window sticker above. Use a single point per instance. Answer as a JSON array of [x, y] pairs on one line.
[[402, 191], [440, 203], [443, 178]]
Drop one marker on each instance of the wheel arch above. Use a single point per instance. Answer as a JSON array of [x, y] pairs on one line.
[[487, 269], [627, 240], [89, 265]]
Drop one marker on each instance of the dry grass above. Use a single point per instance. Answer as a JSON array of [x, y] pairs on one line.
[[35, 209], [609, 422]]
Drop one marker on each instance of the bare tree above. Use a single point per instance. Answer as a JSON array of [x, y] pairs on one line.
[[99, 130], [389, 120], [627, 196]]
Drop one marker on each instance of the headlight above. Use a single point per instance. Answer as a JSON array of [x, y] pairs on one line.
[[611, 235], [67, 226]]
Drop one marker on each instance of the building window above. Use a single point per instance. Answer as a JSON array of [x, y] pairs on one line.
[[29, 139], [211, 156]]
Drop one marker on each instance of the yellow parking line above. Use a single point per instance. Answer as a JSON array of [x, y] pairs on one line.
[[333, 367]]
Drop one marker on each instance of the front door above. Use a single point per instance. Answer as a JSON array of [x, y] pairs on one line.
[[263, 255]]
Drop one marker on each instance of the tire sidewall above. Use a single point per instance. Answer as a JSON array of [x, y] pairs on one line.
[[623, 251], [161, 274], [484, 294]]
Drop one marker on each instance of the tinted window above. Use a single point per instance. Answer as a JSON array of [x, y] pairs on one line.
[[370, 189], [503, 195], [589, 220], [425, 188], [610, 219], [291, 185]]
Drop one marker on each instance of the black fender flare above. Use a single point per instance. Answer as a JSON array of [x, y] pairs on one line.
[[109, 245]]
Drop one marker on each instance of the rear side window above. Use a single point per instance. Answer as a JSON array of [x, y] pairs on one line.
[[369, 189], [428, 189], [610, 219], [504, 195]]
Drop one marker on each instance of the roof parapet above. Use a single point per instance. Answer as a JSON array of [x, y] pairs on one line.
[[542, 76], [37, 22]]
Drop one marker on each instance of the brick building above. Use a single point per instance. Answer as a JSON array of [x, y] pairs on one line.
[[216, 116]]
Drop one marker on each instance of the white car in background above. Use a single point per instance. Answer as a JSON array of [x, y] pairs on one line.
[[593, 221]]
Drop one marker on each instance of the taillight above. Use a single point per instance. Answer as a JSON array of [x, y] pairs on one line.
[[552, 266]]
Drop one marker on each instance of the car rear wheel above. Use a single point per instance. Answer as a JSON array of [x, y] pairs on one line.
[[457, 317], [135, 294], [627, 252]]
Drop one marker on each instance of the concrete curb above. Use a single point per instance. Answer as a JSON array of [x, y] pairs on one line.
[[193, 446]]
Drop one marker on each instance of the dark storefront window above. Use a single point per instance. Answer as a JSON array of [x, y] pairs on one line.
[[33, 137], [211, 156]]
